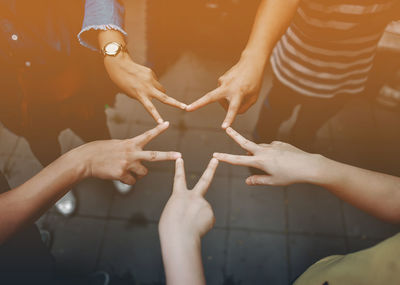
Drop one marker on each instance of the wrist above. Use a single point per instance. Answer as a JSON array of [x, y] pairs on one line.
[[80, 162], [254, 57], [75, 164], [177, 243], [178, 235], [317, 167], [108, 36]]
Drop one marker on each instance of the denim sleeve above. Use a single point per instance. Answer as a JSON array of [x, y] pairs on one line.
[[100, 15]]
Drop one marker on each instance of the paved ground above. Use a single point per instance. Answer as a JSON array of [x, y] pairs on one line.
[[264, 236]]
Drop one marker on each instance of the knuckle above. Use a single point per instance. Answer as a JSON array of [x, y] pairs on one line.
[[153, 155], [119, 172]]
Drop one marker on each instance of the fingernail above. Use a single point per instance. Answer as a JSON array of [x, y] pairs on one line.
[[224, 125], [248, 181], [184, 106], [166, 123], [216, 154]]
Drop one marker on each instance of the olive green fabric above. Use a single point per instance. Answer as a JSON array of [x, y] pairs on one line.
[[377, 265]]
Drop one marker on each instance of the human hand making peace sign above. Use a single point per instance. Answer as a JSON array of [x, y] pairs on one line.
[[283, 163], [238, 89], [121, 159]]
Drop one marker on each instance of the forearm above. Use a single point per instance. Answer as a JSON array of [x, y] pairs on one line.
[[373, 192], [26, 203], [182, 260], [272, 19]]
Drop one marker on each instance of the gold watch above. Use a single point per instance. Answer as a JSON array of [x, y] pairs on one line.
[[113, 49]]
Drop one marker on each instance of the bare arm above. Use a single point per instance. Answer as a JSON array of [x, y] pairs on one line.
[[240, 86], [284, 164], [112, 159], [374, 192], [186, 218], [137, 81]]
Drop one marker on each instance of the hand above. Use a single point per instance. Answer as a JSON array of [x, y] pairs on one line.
[[187, 214], [120, 159], [238, 90], [139, 82], [283, 163]]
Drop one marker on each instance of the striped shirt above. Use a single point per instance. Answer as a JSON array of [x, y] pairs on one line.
[[330, 46]]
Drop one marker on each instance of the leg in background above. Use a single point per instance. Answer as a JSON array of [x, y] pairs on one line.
[[313, 114], [277, 108]]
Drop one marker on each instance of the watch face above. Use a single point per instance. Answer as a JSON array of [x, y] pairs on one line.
[[112, 49]]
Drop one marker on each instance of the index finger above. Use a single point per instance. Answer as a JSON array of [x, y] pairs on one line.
[[151, 109], [210, 97], [146, 137], [243, 142], [205, 180], [169, 100], [233, 109], [158, 155], [179, 178], [234, 159]]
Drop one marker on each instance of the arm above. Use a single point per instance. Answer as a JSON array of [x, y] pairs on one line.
[[112, 159], [103, 24], [186, 217], [239, 87], [373, 192]]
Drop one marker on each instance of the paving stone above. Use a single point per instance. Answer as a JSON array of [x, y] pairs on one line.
[[361, 224], [209, 116], [256, 258], [119, 130], [191, 71], [306, 250], [94, 197], [313, 209], [172, 114], [146, 201], [213, 252], [257, 207], [76, 242], [132, 249], [167, 141], [217, 195], [198, 146]]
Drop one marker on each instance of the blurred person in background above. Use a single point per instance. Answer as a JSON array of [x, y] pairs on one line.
[[24, 258], [188, 216], [49, 82], [321, 55], [103, 31]]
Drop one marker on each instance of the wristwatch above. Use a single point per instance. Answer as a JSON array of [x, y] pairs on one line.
[[113, 49]]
